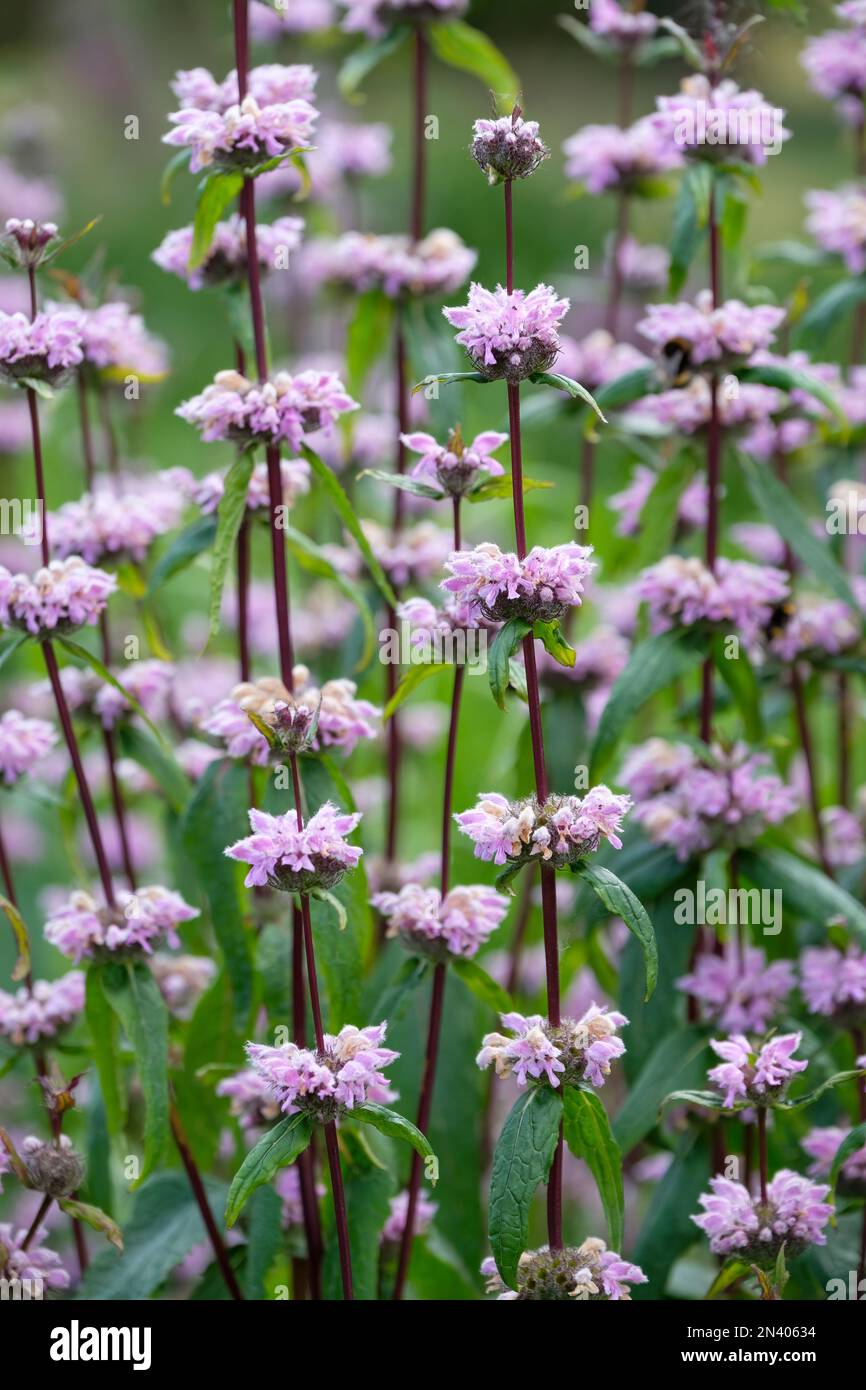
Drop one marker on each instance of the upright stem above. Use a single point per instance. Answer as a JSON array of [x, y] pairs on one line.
[[243, 565], [617, 278], [195, 1182], [86, 432], [802, 719], [714, 465], [762, 1150], [6, 870], [509, 236], [111, 762], [37, 1222], [39, 472]]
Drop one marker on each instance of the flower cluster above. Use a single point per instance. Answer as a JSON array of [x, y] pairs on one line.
[[812, 625], [753, 1074], [455, 467], [721, 122], [115, 339], [274, 119], [59, 598], [410, 555], [396, 265], [589, 1273], [567, 1053], [22, 1259], [538, 588], [560, 832], [694, 805], [347, 1073], [835, 63], [627, 26], [737, 1223], [743, 995], [822, 1145], [207, 492], [84, 928], [728, 334], [681, 591], [606, 156], [508, 148], [251, 1100], [22, 742], [182, 980], [280, 411], [425, 1210], [226, 261], [510, 335], [43, 1011], [46, 349], [456, 925], [296, 858], [147, 682], [120, 519], [837, 221], [306, 717], [834, 982]]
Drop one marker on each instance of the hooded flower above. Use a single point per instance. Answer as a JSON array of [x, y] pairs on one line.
[[456, 467], [392, 1231], [295, 859], [752, 1074], [36, 1264], [282, 410], [398, 266], [562, 831], [566, 1053], [245, 135], [738, 1224], [23, 742], [46, 349], [837, 221], [120, 518], [324, 1084], [309, 717], [834, 982], [31, 1015], [606, 156], [83, 928], [822, 1145], [226, 262], [743, 995], [681, 591], [60, 597], [510, 335], [721, 122], [540, 587], [731, 332], [456, 925]]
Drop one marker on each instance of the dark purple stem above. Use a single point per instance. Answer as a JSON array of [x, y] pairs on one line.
[[762, 1150], [805, 735], [37, 1222], [195, 1181]]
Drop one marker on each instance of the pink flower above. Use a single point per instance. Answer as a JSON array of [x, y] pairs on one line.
[[114, 338], [399, 267], [721, 122], [741, 996], [30, 1015], [226, 261], [292, 17], [834, 982], [539, 587], [835, 63], [22, 742], [373, 17], [606, 156], [308, 717], [680, 592], [392, 1231], [347, 1073], [691, 504], [293, 859], [733, 330], [46, 349], [148, 682], [251, 1100], [844, 840], [37, 1264], [837, 221], [598, 358], [738, 1224], [822, 1145], [139, 921], [562, 831], [574, 1051], [207, 492], [182, 980], [587, 1272], [507, 148], [243, 136], [625, 25], [282, 410], [815, 625], [510, 335], [59, 598], [120, 518], [455, 467], [755, 1074], [456, 925], [413, 554]]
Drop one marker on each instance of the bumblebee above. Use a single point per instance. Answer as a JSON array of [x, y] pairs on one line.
[[675, 366], [779, 618]]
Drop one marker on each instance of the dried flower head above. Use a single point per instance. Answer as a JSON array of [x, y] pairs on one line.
[[53, 1167], [508, 148], [588, 1273]]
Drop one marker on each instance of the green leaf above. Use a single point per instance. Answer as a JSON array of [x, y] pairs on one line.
[[216, 193], [230, 514], [849, 1145], [349, 518], [625, 389], [368, 1188], [163, 767], [186, 547], [494, 488], [103, 1029], [396, 997], [465, 48], [739, 676], [415, 676], [314, 560], [679, 1058], [276, 1149], [40, 388], [21, 968], [702, 1100], [687, 46], [366, 58], [587, 1132], [65, 244], [395, 1126], [510, 871], [403, 484], [368, 336], [265, 1241], [134, 995], [620, 901], [653, 665], [482, 985], [668, 1230], [731, 1272], [104, 674], [805, 890], [93, 1217], [505, 644], [827, 309], [9, 648], [214, 818], [554, 641], [179, 160], [334, 904], [572, 387], [691, 217], [521, 1163], [449, 378], [785, 378], [165, 1225], [803, 1102]]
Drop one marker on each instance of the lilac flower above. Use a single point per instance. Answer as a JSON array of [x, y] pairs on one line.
[[731, 332], [308, 717], [14, 427], [251, 1100], [822, 1145], [562, 831], [688, 410], [761, 541], [270, 84], [396, 265], [598, 358], [574, 1050], [31, 1015], [282, 410], [46, 349], [37, 1264], [83, 928], [295, 860], [456, 925], [755, 1075], [207, 493], [325, 1084], [413, 554], [58, 599], [680, 592], [455, 467], [508, 148], [721, 122], [691, 504], [226, 261], [148, 682], [837, 221], [642, 266], [844, 840], [835, 63], [589, 1273], [738, 1224], [373, 17], [116, 340], [834, 982], [425, 1210], [606, 156], [244, 135], [21, 195], [22, 742], [351, 151], [182, 980], [384, 876], [815, 626], [292, 17], [509, 335], [539, 587], [121, 518], [742, 996], [693, 806], [626, 25]]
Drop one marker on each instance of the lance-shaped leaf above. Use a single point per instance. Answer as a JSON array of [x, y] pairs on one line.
[[230, 514], [824, 314], [625, 389], [503, 879], [555, 642], [334, 904], [103, 1028], [402, 483], [482, 985], [21, 968], [348, 516], [415, 676], [678, 1058], [366, 59], [449, 378], [217, 191], [702, 1100], [396, 1126], [162, 766], [11, 646], [368, 336], [521, 1163], [587, 1132], [132, 991], [460, 46], [506, 643], [806, 891], [803, 1102], [494, 488], [94, 1217], [571, 387], [193, 541], [396, 997], [652, 666], [276, 1149], [739, 676], [785, 378], [620, 901], [691, 218], [594, 43]]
